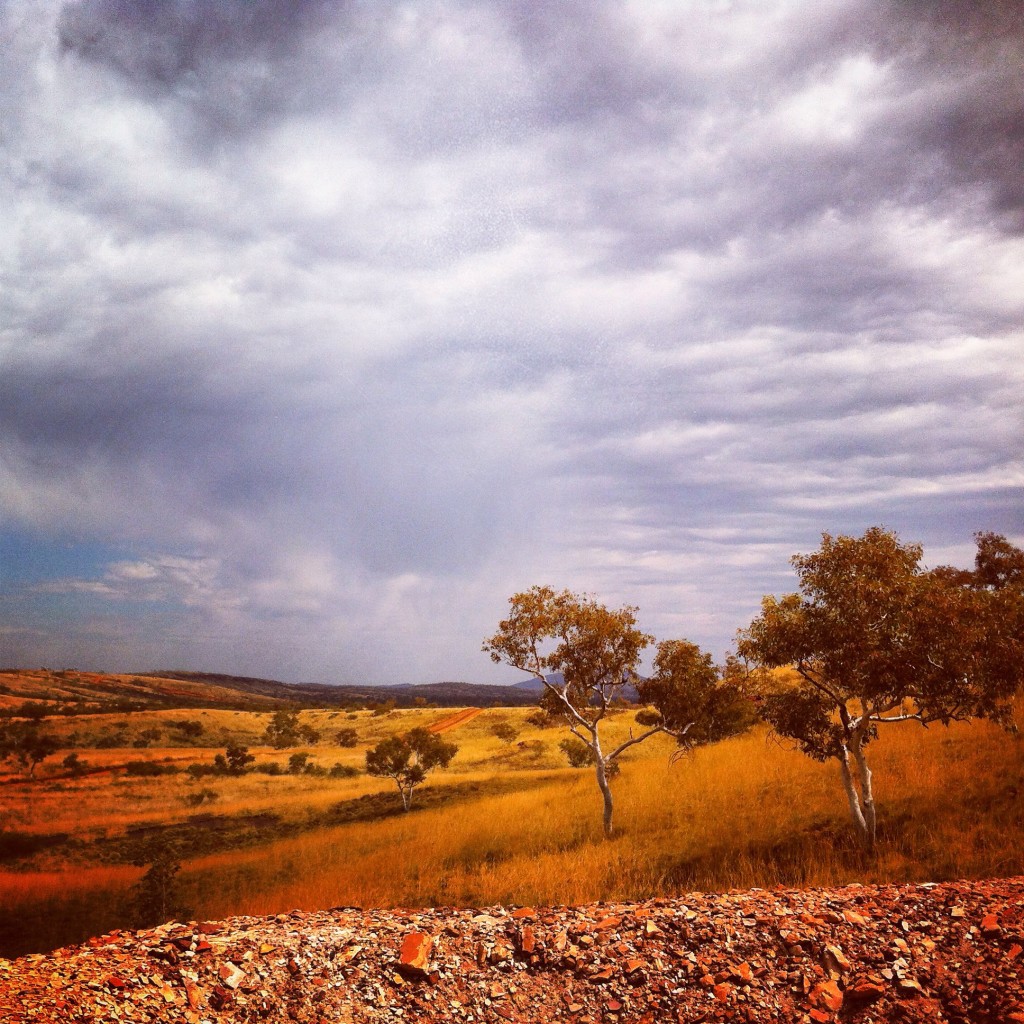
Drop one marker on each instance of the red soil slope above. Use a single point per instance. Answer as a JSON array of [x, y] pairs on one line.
[[949, 952]]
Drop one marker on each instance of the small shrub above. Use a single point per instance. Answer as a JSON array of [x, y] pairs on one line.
[[577, 752], [143, 769], [188, 728], [505, 731], [269, 768], [74, 764], [343, 771], [542, 719], [156, 894], [346, 737], [201, 796]]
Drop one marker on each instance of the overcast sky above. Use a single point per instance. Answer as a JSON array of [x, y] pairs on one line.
[[325, 327]]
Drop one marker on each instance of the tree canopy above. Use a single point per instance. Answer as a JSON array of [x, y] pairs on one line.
[[585, 655], [876, 639], [407, 759]]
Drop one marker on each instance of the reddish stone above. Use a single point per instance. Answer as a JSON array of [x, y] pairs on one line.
[[193, 995], [722, 991], [607, 923], [990, 926], [415, 953], [231, 975], [827, 995], [522, 912], [743, 973], [865, 991], [527, 940]]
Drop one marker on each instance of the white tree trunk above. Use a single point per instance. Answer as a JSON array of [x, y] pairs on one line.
[[867, 796], [853, 798], [859, 791], [606, 792]]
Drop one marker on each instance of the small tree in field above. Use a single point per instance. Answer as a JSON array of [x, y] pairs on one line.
[[692, 698], [597, 652], [25, 743], [507, 732], [876, 640], [235, 760], [407, 759]]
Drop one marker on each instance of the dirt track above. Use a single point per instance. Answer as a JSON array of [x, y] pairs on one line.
[[454, 721]]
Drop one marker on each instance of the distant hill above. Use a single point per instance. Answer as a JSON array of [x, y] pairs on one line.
[[535, 686], [92, 692], [445, 694]]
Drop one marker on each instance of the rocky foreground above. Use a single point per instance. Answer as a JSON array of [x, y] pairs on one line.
[[948, 952]]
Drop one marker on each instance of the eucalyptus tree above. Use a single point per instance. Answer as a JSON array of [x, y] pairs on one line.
[[878, 640], [408, 759], [585, 655]]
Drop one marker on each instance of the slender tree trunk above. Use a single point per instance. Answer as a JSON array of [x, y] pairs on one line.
[[867, 795], [606, 792], [406, 797], [859, 791], [853, 798]]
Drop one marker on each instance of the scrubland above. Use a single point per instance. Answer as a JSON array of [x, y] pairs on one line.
[[507, 823]]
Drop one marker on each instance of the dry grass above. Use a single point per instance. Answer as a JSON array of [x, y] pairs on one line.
[[746, 812], [742, 813]]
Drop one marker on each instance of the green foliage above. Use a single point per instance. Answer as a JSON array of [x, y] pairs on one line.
[[407, 759], [578, 753], [690, 698], [346, 737], [505, 731], [24, 743], [157, 896], [74, 764], [596, 652], [298, 763], [543, 719], [190, 729], [149, 769], [238, 759], [283, 730], [875, 639]]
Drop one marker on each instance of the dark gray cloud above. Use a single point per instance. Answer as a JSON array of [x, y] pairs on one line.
[[331, 325]]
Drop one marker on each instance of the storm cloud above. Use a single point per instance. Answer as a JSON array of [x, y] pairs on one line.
[[325, 327]]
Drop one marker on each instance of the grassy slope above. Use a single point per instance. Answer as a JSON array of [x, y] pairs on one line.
[[742, 813]]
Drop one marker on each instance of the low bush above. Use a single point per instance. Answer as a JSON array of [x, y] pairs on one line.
[[149, 768]]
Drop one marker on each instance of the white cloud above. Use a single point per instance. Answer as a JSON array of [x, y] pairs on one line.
[[345, 324]]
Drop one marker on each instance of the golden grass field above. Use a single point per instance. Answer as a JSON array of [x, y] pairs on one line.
[[742, 813]]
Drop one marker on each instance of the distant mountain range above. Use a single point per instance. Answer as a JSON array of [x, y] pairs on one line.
[[445, 694], [96, 691]]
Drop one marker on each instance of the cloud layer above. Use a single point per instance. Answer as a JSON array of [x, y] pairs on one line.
[[325, 327]]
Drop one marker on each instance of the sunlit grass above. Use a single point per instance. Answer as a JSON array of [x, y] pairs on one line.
[[746, 812]]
